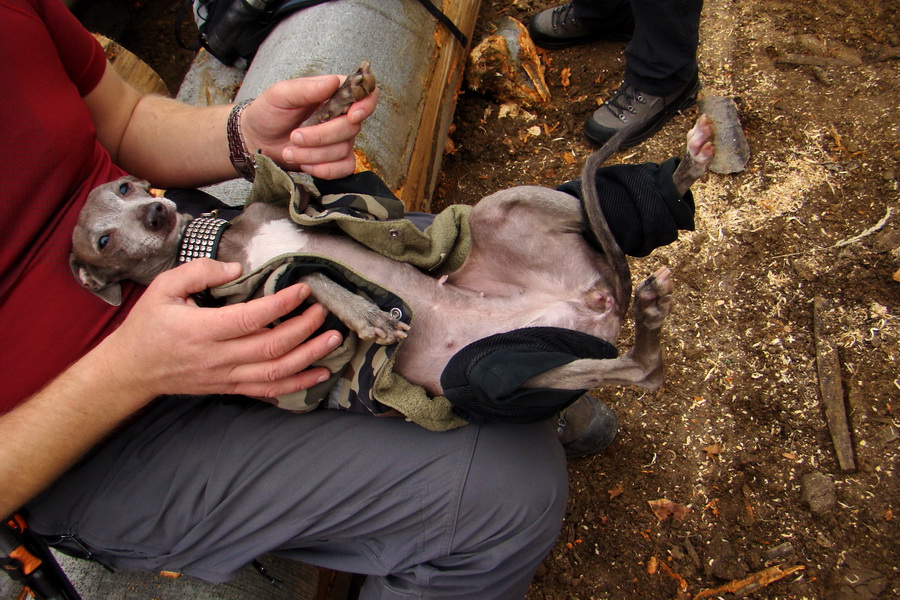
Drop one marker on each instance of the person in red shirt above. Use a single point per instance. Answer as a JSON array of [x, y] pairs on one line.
[[99, 451]]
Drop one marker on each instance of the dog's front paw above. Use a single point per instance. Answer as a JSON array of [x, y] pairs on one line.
[[377, 326], [356, 87]]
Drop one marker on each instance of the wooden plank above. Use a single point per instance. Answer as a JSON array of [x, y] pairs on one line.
[[440, 103], [832, 390]]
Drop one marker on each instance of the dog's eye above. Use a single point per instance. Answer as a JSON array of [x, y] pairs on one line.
[[102, 242], [123, 188]]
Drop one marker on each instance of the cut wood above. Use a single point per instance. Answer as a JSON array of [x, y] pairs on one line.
[[131, 68], [818, 61], [832, 390], [732, 149], [748, 585]]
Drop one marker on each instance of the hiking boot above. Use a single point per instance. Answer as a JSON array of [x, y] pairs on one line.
[[646, 113], [586, 427], [559, 28]]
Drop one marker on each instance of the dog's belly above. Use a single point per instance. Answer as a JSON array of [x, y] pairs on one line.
[[449, 317], [274, 239]]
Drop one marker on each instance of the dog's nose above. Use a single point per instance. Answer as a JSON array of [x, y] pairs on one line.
[[155, 216]]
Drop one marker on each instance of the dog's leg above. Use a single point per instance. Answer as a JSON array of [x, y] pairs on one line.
[[642, 365], [362, 316], [699, 153], [520, 234]]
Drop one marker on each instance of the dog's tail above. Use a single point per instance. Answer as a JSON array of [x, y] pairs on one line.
[[597, 221]]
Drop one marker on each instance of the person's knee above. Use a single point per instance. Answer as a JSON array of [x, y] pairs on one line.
[[506, 519], [517, 487]]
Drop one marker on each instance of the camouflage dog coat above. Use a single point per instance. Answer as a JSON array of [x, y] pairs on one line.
[[362, 371]]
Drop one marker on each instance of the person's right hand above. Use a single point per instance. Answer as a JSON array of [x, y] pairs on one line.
[[169, 345]]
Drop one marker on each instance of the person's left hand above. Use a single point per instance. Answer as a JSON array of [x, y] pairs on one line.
[[271, 123]]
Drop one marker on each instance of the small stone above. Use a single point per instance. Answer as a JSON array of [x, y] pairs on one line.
[[886, 241], [780, 552], [888, 434], [858, 582], [754, 559], [732, 149], [806, 268], [724, 562], [507, 66], [817, 491]]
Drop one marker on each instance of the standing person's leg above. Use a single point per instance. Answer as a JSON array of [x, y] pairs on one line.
[[203, 486], [660, 71], [662, 55]]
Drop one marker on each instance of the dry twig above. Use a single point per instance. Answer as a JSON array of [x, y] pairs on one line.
[[750, 584]]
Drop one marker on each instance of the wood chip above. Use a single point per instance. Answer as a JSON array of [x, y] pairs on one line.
[[664, 508]]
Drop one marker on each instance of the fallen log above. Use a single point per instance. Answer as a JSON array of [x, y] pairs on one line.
[[131, 68], [417, 61]]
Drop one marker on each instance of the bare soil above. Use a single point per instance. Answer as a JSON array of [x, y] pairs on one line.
[[730, 440]]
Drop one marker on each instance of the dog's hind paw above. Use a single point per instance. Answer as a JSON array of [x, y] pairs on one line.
[[653, 300]]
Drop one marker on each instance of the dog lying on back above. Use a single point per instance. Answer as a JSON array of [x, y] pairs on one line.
[[530, 265]]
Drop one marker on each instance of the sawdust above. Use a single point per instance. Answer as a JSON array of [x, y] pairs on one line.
[[810, 216]]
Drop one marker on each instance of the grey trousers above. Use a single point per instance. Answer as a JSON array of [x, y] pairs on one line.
[[205, 485]]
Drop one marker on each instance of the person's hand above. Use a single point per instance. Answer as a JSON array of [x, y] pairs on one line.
[[272, 123], [169, 345]]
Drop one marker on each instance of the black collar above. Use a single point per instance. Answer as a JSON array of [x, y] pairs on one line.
[[201, 238]]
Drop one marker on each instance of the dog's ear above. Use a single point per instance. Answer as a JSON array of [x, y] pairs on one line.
[[96, 283]]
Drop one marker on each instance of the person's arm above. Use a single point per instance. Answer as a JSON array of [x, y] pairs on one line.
[[173, 144], [166, 345]]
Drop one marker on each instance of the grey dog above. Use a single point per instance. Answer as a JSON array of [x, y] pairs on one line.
[[530, 264]]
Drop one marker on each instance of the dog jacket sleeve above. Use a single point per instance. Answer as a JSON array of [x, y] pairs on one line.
[[641, 204]]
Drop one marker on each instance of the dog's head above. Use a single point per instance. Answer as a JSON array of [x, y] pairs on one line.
[[124, 232]]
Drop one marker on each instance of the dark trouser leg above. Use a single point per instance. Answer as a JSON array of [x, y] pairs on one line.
[[615, 14], [203, 486], [662, 55]]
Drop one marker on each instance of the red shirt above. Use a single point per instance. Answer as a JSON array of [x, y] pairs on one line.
[[49, 160]]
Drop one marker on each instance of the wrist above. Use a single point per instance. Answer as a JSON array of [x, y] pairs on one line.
[[237, 146], [127, 376]]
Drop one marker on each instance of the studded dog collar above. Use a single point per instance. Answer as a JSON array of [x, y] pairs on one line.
[[201, 238]]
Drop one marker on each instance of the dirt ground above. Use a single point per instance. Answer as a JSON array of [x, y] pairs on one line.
[[736, 445]]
